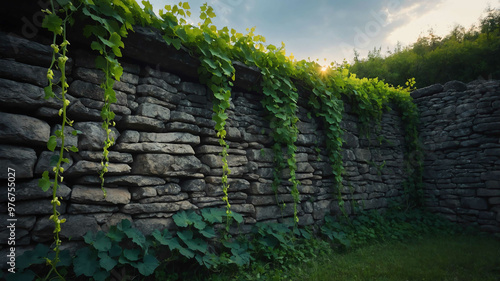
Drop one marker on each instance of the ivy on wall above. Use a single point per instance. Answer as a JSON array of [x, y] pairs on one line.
[[216, 49]]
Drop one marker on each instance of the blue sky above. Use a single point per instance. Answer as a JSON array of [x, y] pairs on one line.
[[332, 29]]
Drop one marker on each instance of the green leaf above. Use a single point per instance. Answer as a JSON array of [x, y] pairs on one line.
[[193, 244], [52, 143], [53, 160], [208, 232], [45, 182], [53, 23], [106, 261], [185, 218], [115, 234], [76, 132], [136, 236], [102, 243], [148, 266], [35, 256], [85, 262], [164, 238], [115, 250], [131, 254], [73, 148], [48, 92], [237, 217], [213, 215]]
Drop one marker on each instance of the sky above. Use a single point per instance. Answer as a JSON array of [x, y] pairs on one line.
[[330, 30]]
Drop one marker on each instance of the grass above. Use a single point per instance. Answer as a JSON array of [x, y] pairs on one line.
[[453, 258]]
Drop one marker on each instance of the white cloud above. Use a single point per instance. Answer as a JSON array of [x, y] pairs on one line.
[[441, 20]]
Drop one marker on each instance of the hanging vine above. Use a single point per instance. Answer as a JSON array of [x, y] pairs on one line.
[[216, 69], [111, 24], [58, 90]]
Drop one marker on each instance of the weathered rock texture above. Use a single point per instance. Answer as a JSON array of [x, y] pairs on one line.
[[460, 131], [166, 157]]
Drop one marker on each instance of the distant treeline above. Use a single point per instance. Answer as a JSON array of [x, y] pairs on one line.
[[463, 55]]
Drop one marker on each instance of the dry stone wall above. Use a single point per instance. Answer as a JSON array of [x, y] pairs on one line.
[[166, 157], [460, 130]]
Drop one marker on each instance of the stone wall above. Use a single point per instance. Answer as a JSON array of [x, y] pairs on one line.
[[460, 130], [166, 157]]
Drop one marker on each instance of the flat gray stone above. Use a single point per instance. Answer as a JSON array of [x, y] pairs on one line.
[[148, 225], [170, 148], [129, 136], [137, 208], [37, 207], [94, 195], [154, 111], [159, 93], [23, 72], [168, 189], [22, 129], [43, 163], [193, 185], [23, 95], [84, 167], [175, 137], [114, 156], [182, 127], [93, 135], [79, 88], [30, 190], [141, 123], [20, 160], [165, 164]]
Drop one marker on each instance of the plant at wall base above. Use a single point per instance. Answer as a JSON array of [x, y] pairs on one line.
[[57, 26]]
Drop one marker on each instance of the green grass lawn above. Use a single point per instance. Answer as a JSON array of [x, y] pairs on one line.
[[453, 258]]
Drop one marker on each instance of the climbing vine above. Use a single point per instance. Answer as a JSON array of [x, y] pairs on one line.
[[109, 28], [57, 89], [280, 101], [326, 103]]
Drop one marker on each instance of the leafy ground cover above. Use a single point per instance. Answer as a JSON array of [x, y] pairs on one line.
[[394, 245]]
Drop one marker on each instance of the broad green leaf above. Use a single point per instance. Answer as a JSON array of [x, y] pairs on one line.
[[136, 236], [115, 250], [237, 217], [102, 243], [213, 215], [208, 232], [52, 143], [53, 160], [106, 261], [185, 218], [48, 92], [131, 254], [101, 275], [85, 262], [115, 234], [53, 23], [148, 265], [45, 182]]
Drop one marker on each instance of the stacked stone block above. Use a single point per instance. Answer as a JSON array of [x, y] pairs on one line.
[[460, 132]]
